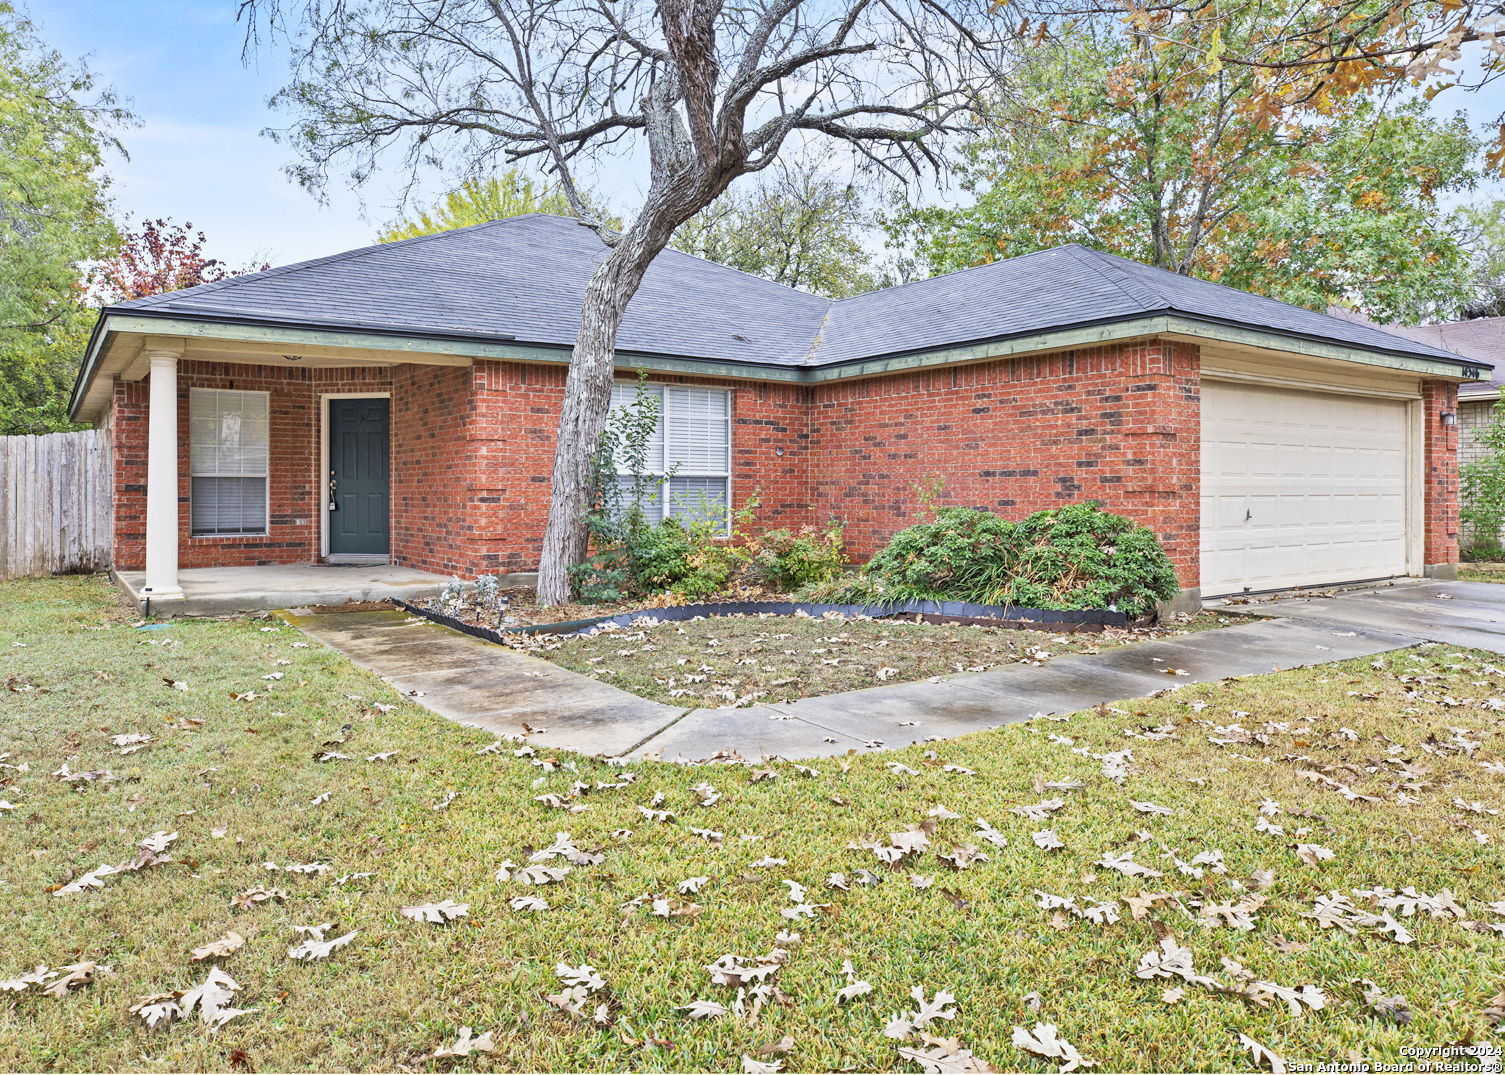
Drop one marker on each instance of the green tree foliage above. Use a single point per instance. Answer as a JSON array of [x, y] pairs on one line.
[[476, 201], [1114, 140], [1485, 224], [802, 228], [55, 127]]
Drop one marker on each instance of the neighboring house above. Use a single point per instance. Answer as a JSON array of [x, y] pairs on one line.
[[1482, 339], [400, 401]]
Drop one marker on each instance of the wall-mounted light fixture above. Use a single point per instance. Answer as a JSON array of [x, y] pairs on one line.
[[1449, 418]]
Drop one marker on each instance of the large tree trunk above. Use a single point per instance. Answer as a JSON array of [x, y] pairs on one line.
[[587, 400]]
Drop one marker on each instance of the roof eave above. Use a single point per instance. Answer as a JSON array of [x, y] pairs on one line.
[[92, 352], [1136, 326], [114, 320]]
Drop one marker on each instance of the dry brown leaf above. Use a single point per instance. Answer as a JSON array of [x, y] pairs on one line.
[[1044, 1040], [468, 1042], [75, 976], [437, 913], [1263, 1055], [227, 945], [212, 998]]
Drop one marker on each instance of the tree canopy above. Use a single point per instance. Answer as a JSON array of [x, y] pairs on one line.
[[161, 256], [701, 90], [800, 227], [55, 126], [475, 201], [1113, 141]]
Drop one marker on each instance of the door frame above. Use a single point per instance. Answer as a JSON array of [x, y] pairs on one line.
[[321, 481], [1414, 462]]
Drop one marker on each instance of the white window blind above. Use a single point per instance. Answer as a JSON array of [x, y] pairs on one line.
[[228, 434], [692, 445]]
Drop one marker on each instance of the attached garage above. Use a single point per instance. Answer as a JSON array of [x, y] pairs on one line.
[[1303, 487]]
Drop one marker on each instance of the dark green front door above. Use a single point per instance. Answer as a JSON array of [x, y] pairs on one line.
[[358, 475]]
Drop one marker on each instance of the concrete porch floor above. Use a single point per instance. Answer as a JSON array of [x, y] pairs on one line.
[[222, 591]]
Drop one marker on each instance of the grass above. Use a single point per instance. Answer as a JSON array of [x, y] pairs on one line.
[[401, 989], [742, 660], [1481, 572]]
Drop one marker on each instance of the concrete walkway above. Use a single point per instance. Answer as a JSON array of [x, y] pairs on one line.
[[1460, 613], [489, 686]]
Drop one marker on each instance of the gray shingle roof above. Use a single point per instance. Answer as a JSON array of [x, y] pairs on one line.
[[1482, 339], [524, 278]]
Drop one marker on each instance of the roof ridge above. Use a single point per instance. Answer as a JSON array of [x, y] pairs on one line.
[[1145, 296]]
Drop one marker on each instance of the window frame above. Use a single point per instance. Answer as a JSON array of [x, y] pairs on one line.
[[266, 475], [666, 429]]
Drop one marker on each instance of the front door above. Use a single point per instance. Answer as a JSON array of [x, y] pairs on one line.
[[358, 475]]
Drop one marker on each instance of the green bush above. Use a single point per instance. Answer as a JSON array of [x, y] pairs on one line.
[[1074, 557], [784, 560]]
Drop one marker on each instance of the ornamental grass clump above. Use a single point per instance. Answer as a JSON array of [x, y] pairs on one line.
[[1074, 557]]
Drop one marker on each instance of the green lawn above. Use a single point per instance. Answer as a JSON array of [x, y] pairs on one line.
[[747, 660], [1481, 573], [237, 779]]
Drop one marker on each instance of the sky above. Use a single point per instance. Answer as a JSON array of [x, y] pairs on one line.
[[198, 155]]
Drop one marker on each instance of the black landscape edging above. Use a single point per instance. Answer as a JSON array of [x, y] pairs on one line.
[[999, 615]]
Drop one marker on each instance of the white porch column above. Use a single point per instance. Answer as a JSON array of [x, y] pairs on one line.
[[162, 477]]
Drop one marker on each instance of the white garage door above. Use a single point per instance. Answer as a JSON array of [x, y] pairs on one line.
[[1300, 488]]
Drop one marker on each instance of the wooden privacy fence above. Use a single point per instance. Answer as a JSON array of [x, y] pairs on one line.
[[54, 503]]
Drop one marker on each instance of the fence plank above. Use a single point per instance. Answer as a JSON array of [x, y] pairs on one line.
[[55, 493]]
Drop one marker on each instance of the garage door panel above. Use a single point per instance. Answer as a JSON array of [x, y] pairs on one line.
[[1300, 488]]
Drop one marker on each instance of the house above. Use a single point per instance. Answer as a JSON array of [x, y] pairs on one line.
[[399, 402], [1482, 339]]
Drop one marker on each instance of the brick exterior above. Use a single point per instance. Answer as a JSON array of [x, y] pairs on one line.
[[1114, 424], [476, 449], [1440, 469], [293, 462], [472, 451]]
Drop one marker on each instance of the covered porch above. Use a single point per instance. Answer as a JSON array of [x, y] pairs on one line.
[[224, 591], [249, 476]]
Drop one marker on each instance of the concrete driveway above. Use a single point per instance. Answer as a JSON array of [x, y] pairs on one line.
[[1458, 613]]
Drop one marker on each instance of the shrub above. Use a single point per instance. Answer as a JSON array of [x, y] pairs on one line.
[[1080, 557], [1074, 557], [784, 560], [961, 550]]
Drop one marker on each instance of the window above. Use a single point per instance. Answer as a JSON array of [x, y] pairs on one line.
[[692, 445], [227, 461]]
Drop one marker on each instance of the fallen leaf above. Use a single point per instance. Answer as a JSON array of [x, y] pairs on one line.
[[227, 945], [1263, 1055], [438, 913], [1044, 1040], [468, 1042]]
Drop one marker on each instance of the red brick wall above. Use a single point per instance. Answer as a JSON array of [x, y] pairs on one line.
[[432, 469], [473, 449], [293, 462], [475, 467], [1440, 445], [1117, 424]]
